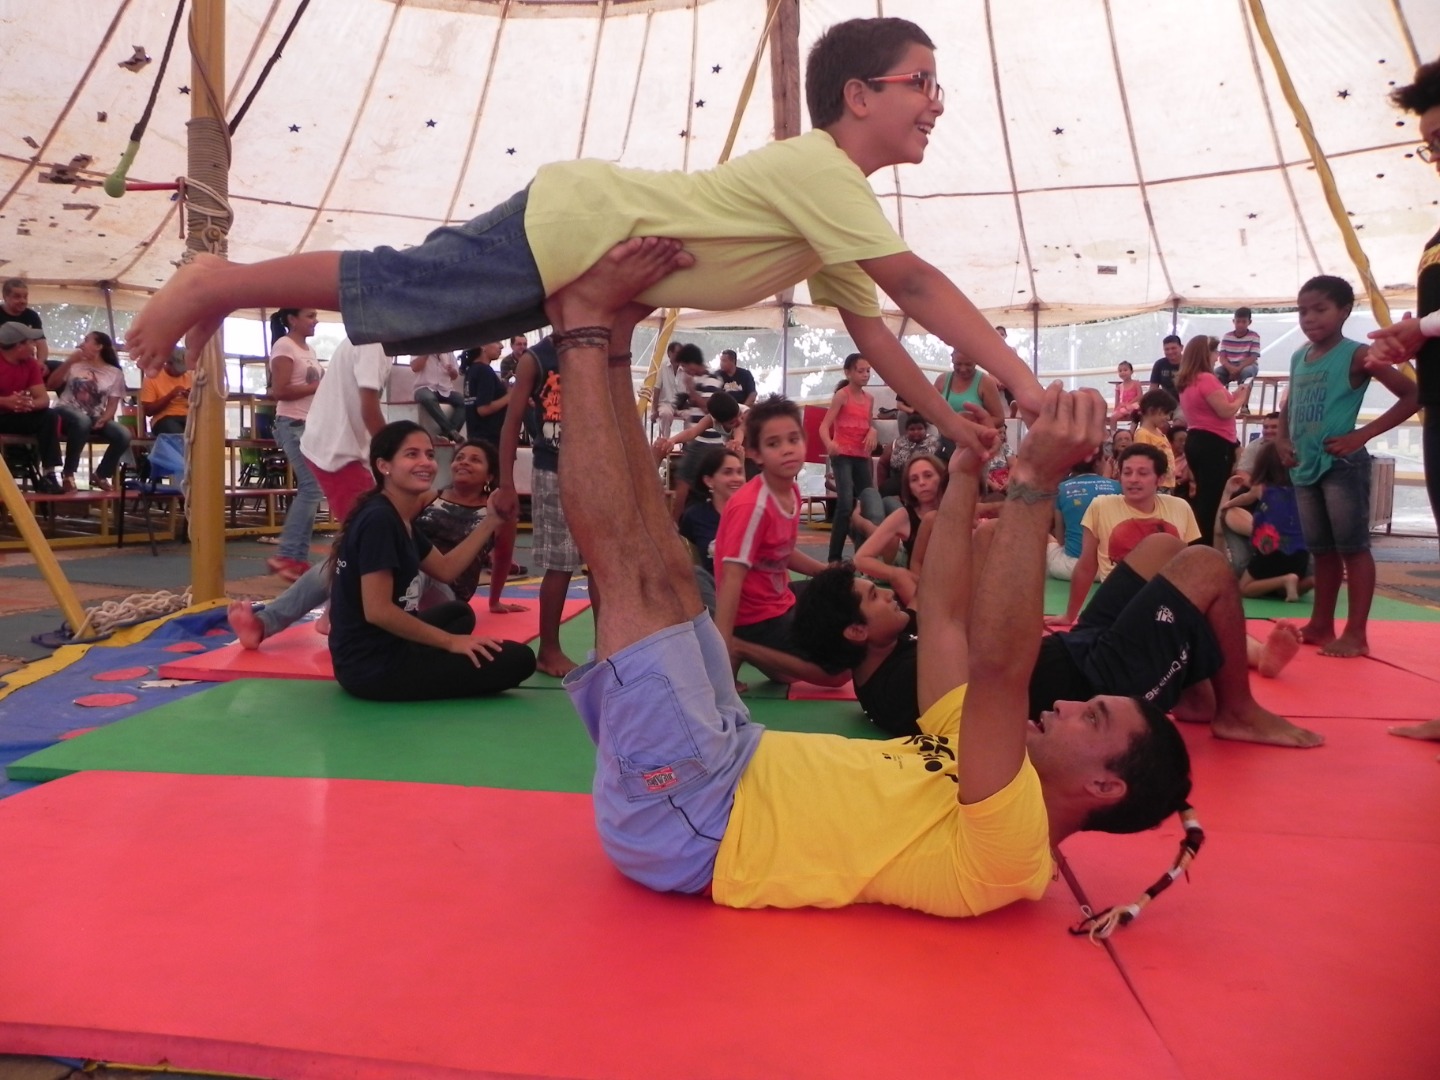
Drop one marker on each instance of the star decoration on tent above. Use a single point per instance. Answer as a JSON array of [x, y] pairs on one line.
[[684, 134], [429, 123], [700, 104], [715, 70], [1252, 216], [184, 90], [1059, 131], [294, 127], [510, 150], [1342, 94]]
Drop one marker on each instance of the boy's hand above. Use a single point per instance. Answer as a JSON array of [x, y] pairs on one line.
[[1066, 431], [979, 437], [1286, 449], [1344, 445], [597, 296]]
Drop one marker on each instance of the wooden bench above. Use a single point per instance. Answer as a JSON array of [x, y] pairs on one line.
[[63, 529]]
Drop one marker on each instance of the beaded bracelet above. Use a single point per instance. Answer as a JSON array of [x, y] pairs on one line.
[[582, 337], [1020, 491]]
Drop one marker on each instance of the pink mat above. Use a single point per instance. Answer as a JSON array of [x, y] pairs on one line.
[[299, 652], [804, 691], [366, 930], [1297, 947], [1315, 685]]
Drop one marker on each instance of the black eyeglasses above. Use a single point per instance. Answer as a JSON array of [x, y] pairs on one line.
[[1428, 152], [923, 81]]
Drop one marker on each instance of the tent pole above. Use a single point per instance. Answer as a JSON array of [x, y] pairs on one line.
[[205, 486]]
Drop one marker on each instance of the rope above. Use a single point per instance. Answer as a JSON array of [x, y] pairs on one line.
[[265, 71], [135, 608], [1100, 926]]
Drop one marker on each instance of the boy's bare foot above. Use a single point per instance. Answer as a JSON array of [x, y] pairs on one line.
[[1310, 634], [1429, 730], [623, 273], [1347, 646], [554, 662], [1279, 649], [500, 607], [187, 300], [1259, 725], [249, 630]]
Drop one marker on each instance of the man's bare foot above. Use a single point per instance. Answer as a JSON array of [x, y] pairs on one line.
[[1279, 649], [623, 273], [1260, 725], [554, 662], [1429, 730], [186, 299], [500, 607], [1347, 646], [1310, 634], [249, 630]]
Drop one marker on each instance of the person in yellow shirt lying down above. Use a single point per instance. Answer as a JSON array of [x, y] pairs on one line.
[[691, 796]]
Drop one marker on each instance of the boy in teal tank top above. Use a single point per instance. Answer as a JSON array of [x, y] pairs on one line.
[[1328, 462]]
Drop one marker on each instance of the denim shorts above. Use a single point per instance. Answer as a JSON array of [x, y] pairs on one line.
[[466, 285], [672, 739], [1335, 510]]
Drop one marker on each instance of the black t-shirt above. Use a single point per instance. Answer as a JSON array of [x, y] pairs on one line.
[[482, 386], [740, 385], [891, 696], [375, 539], [544, 416], [699, 524], [1427, 360], [1163, 375]]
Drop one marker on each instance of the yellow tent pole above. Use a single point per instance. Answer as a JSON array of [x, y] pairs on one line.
[[647, 388], [1322, 167], [40, 549], [205, 486]]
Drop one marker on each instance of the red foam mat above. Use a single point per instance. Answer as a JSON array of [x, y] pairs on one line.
[[358, 929], [299, 652], [1363, 687], [1297, 946], [804, 691]]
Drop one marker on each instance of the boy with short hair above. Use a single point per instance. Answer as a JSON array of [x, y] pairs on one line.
[[752, 227], [1156, 409], [1239, 354]]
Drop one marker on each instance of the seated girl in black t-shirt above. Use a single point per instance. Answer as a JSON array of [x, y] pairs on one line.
[[720, 474], [379, 648]]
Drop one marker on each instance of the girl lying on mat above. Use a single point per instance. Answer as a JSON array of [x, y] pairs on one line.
[[380, 649]]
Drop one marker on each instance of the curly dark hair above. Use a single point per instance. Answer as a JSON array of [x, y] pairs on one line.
[[1423, 94], [826, 608], [1156, 770]]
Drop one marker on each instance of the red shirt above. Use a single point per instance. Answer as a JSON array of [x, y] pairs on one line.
[[17, 377], [758, 534]]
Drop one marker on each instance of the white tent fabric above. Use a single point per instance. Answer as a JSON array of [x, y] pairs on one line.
[[1098, 157]]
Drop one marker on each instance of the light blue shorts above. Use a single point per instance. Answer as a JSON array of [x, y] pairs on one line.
[[672, 739], [1335, 510], [465, 286]]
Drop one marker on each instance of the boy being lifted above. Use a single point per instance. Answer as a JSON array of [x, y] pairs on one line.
[[800, 208]]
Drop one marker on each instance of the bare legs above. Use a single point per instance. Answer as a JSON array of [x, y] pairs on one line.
[[200, 295], [1330, 569], [550, 657]]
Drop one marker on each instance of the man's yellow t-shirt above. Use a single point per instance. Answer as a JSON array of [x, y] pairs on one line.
[[793, 210], [826, 821], [1118, 526]]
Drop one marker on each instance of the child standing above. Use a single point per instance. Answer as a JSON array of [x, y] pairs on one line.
[[1328, 461], [848, 432], [755, 549], [796, 209], [1279, 560], [1156, 408], [1127, 395]]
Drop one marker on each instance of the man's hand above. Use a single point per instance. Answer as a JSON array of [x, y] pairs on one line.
[[1394, 344], [504, 503], [604, 291], [980, 437], [1067, 429]]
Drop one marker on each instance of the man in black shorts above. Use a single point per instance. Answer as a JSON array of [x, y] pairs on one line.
[[1166, 626]]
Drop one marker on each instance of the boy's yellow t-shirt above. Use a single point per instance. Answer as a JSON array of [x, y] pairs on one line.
[[793, 210], [1160, 442], [826, 821]]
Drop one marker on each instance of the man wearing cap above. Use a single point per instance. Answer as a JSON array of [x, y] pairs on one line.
[[24, 402], [15, 307]]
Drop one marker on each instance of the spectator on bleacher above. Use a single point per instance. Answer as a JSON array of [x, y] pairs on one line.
[[15, 307], [720, 475], [697, 385], [1162, 374], [889, 555], [665, 400], [165, 396], [1210, 410], [1127, 395], [295, 375], [91, 384], [966, 384], [437, 384], [916, 437], [848, 432], [737, 381], [487, 395], [24, 403], [1239, 354], [511, 361], [1072, 499]]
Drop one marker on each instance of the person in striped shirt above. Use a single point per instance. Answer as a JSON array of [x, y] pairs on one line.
[[1239, 354]]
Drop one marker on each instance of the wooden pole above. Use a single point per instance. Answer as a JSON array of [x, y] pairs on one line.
[[39, 547], [206, 486]]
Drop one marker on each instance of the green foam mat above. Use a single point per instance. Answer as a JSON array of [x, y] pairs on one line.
[[525, 740]]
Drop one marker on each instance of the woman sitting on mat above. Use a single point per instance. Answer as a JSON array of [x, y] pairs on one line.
[[380, 650], [720, 474], [458, 511], [889, 556]]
